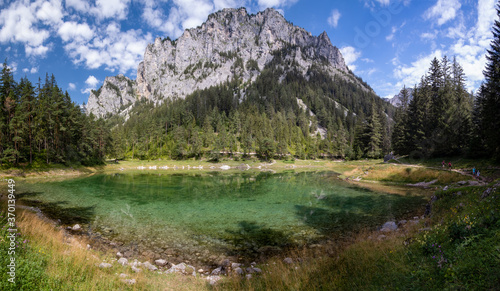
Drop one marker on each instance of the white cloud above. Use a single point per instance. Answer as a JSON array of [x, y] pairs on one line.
[[33, 51], [111, 9], [390, 37], [263, 4], [384, 2], [50, 12], [428, 35], [110, 48], [410, 75], [19, 24], [333, 20], [91, 83], [34, 70], [486, 16], [74, 31], [79, 5], [350, 56], [443, 11], [71, 86]]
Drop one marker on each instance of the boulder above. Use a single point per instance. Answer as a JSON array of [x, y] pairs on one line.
[[161, 262], [235, 265], [150, 266], [288, 261], [136, 270], [216, 271], [389, 226], [182, 268], [129, 281], [76, 227], [105, 265], [213, 279], [123, 261], [239, 271]]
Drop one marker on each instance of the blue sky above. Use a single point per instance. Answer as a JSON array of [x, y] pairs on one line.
[[389, 43]]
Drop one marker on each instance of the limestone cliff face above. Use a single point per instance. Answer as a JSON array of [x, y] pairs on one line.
[[116, 94], [231, 43]]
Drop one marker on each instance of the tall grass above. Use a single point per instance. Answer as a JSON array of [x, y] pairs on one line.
[[48, 259]]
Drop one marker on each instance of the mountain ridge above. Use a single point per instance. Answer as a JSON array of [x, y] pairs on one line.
[[230, 44]]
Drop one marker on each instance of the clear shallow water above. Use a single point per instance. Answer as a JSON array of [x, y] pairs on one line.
[[202, 216]]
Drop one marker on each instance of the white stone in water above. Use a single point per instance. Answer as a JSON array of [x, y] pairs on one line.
[[123, 261]]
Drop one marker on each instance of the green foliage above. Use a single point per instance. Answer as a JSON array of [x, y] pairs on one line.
[[234, 118], [461, 251], [437, 119], [44, 121], [486, 140]]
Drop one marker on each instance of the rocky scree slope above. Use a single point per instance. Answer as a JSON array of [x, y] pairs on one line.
[[230, 44]]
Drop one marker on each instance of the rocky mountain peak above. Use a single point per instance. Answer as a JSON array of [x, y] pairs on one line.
[[230, 44]]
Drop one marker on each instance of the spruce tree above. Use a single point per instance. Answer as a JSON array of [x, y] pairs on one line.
[[491, 106]]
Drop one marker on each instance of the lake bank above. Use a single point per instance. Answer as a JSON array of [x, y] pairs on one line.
[[313, 263]]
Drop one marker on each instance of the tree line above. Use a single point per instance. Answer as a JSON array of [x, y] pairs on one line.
[[39, 124], [441, 118], [271, 117]]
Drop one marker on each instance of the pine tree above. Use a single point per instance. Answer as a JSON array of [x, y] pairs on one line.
[[491, 100]]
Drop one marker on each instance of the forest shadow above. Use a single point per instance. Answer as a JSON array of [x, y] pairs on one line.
[[339, 216], [253, 241], [59, 212]]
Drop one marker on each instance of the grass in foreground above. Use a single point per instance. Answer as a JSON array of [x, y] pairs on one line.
[[46, 259]]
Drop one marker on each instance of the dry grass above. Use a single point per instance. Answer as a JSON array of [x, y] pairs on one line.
[[71, 266]]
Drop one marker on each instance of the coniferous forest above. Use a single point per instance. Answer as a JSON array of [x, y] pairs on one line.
[[276, 116], [39, 124]]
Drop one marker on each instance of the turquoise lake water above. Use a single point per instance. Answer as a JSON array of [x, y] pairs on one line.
[[202, 215]]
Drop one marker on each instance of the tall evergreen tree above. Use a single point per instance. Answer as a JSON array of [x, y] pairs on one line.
[[491, 101]]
